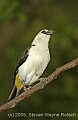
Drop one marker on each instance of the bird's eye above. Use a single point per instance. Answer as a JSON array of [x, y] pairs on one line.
[[44, 32]]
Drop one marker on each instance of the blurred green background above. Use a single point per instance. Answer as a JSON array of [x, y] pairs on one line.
[[20, 21]]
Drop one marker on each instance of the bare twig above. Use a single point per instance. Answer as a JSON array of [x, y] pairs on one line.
[[40, 85]]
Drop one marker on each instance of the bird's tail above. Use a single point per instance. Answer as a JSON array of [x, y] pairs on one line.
[[17, 89], [15, 92]]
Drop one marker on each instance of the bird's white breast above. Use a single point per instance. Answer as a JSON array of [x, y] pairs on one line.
[[35, 64]]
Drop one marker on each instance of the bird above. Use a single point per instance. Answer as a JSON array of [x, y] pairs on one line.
[[32, 63]]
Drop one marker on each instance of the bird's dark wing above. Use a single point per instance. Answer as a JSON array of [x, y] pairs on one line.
[[21, 61]]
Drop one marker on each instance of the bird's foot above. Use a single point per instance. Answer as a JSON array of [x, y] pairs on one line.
[[27, 90], [42, 79]]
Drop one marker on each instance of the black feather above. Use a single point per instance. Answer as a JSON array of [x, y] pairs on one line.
[[21, 61], [12, 94]]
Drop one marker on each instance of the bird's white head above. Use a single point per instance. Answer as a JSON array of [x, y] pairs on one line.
[[42, 37]]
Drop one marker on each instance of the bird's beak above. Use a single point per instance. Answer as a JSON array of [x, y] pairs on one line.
[[49, 32]]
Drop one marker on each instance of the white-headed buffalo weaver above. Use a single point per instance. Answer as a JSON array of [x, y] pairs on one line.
[[32, 63]]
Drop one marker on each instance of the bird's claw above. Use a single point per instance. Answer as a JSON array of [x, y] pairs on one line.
[[27, 90], [42, 79]]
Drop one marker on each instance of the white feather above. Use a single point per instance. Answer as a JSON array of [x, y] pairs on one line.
[[37, 60]]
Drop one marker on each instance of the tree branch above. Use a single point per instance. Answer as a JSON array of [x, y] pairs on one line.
[[40, 85]]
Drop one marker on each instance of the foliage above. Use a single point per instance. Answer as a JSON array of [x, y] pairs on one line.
[[20, 20]]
